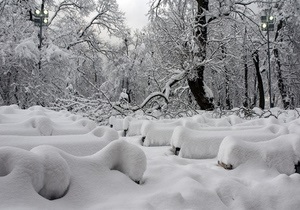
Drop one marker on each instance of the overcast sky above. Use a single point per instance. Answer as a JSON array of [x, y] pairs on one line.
[[135, 12]]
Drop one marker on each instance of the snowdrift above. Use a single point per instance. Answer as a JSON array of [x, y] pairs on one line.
[[49, 170], [205, 143], [67, 165], [281, 153]]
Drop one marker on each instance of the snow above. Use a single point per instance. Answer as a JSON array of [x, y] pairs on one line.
[[158, 133], [97, 168], [205, 143], [281, 153], [56, 173]]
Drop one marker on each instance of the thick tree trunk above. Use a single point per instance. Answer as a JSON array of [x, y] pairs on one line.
[[246, 104], [260, 85], [280, 82], [281, 85], [198, 90], [197, 84]]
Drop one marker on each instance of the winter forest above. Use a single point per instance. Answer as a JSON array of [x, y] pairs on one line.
[[193, 55], [198, 109]]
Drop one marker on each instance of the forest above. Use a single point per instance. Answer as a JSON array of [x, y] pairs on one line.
[[193, 55]]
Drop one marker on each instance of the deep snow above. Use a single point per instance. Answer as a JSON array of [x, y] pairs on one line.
[[86, 166]]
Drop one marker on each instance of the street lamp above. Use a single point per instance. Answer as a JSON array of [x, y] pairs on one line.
[[267, 24], [40, 19]]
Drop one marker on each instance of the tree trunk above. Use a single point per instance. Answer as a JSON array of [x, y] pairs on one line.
[[197, 88], [197, 84], [246, 82], [260, 85], [281, 86]]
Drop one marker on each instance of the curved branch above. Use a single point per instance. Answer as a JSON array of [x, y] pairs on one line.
[[173, 80], [90, 24], [60, 7]]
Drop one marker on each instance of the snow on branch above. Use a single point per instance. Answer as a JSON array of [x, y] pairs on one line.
[[61, 7], [172, 81]]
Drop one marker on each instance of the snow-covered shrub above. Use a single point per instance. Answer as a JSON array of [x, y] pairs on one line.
[[205, 143], [124, 157], [281, 153]]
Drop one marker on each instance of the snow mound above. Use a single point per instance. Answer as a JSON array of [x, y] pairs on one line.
[[50, 170], [294, 126], [105, 133], [195, 125], [76, 144], [205, 144], [234, 120], [15, 161], [219, 122], [43, 124], [216, 122], [46, 169], [199, 118], [260, 122], [124, 157], [38, 108], [34, 126], [134, 128], [57, 174], [158, 133], [281, 153], [116, 123], [12, 109]]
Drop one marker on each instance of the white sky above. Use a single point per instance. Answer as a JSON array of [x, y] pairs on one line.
[[135, 12]]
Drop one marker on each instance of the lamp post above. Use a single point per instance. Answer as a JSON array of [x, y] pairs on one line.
[[267, 24], [40, 19]]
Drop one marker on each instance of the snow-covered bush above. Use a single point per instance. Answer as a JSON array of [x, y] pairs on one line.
[[281, 153]]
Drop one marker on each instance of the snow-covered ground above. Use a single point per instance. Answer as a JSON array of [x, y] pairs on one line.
[[57, 160]]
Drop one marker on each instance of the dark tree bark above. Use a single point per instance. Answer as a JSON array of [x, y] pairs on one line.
[[197, 88], [197, 84], [280, 82], [246, 104], [227, 97], [260, 85], [281, 85]]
